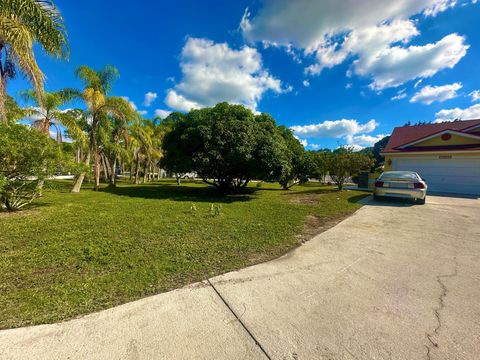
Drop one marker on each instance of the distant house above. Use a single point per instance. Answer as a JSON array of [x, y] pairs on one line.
[[446, 155]]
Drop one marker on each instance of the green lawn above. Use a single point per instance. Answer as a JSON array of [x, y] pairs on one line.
[[71, 254]]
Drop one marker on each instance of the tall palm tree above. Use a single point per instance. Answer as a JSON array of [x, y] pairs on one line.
[[22, 24], [48, 113], [100, 112]]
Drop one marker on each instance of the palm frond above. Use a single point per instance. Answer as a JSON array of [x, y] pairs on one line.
[[43, 21]]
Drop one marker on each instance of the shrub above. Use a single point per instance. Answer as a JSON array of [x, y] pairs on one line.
[[27, 157]]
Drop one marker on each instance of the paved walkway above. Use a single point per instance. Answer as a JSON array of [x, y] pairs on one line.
[[393, 281]]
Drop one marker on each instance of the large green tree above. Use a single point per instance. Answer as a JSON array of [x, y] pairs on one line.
[[226, 145], [299, 162], [24, 23]]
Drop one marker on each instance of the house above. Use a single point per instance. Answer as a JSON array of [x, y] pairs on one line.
[[446, 155]]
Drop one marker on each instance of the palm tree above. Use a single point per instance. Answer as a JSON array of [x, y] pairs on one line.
[[22, 24], [13, 111], [101, 110], [145, 140], [48, 113]]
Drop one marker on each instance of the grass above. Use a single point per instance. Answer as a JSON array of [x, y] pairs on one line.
[[72, 254]]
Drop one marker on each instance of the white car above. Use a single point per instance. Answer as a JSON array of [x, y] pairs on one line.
[[401, 184]]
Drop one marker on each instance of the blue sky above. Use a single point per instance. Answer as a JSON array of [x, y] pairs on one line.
[[329, 69]]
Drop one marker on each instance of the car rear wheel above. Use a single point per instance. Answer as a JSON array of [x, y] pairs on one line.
[[421, 201]]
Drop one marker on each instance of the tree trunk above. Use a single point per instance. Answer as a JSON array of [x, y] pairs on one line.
[[105, 167], [3, 89], [137, 170], [112, 172], [3, 98], [79, 180], [177, 176], [145, 173], [78, 183], [96, 171]]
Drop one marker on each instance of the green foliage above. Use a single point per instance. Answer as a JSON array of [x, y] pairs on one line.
[[47, 113], [22, 24], [299, 165], [13, 111], [346, 163], [227, 146], [321, 163], [378, 148], [26, 158]]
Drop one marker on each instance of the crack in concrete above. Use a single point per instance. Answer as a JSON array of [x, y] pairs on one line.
[[249, 332], [439, 309]]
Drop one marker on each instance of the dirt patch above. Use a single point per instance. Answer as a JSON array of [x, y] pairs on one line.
[[309, 199], [315, 225]]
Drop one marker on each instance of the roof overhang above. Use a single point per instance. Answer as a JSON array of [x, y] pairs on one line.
[[447, 131], [472, 128], [429, 152]]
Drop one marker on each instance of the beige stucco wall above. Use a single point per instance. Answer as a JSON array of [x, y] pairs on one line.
[[390, 157]]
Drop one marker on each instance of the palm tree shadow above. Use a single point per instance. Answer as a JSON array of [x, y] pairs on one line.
[[180, 193]]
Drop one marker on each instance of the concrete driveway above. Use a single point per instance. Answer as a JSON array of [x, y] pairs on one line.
[[394, 281]]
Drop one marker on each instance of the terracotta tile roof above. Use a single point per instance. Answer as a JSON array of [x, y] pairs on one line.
[[406, 134]]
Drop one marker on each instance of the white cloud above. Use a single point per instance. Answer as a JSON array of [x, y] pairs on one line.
[[401, 94], [278, 22], [475, 95], [306, 83], [397, 65], [315, 146], [365, 140], [472, 112], [142, 112], [375, 33], [162, 113], [428, 94], [215, 72], [179, 102], [334, 129], [149, 98]]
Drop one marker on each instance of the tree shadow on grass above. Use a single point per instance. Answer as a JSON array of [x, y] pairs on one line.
[[180, 193]]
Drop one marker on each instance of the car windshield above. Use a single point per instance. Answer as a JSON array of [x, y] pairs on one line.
[[399, 175]]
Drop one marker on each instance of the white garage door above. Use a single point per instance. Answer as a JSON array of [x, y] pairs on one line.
[[449, 175]]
